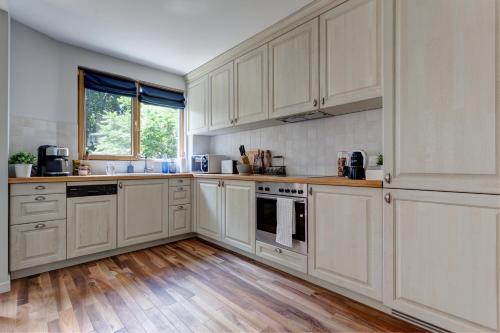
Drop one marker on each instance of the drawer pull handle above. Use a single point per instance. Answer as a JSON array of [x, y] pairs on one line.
[[181, 181], [40, 198], [180, 189], [278, 250], [180, 207], [40, 187], [40, 226]]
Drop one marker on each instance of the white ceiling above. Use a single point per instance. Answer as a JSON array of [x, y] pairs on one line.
[[173, 35]]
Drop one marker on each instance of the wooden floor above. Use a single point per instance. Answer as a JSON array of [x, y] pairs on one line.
[[188, 286]]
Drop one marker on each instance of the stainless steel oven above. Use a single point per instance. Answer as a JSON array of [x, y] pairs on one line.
[[267, 195]]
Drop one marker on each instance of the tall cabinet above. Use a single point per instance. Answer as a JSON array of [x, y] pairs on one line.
[[442, 133]]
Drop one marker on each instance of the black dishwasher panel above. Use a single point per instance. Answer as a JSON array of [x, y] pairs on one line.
[[90, 190]]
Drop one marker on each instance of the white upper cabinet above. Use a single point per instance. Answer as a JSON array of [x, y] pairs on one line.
[[442, 128], [221, 97], [251, 86], [345, 237], [197, 106], [350, 57], [294, 71], [441, 258], [238, 214]]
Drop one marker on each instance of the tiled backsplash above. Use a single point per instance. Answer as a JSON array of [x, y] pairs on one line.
[[310, 148]]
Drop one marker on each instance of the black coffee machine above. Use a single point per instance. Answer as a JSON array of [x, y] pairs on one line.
[[356, 164], [52, 161]]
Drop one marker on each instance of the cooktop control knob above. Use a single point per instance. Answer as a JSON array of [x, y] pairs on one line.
[[287, 190], [260, 188], [281, 190], [300, 192], [267, 189], [294, 191]]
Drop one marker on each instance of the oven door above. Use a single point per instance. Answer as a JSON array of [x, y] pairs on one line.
[[267, 222]]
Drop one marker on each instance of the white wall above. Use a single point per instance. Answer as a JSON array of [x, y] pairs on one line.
[[4, 146], [44, 92], [310, 148]]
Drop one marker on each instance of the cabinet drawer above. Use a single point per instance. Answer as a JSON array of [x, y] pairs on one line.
[[283, 257], [179, 195], [37, 208], [179, 220], [37, 244], [179, 181], [37, 189]]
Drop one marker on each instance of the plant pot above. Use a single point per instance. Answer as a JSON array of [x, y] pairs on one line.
[[23, 170], [375, 174]]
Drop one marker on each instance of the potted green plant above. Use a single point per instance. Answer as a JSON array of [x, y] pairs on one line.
[[23, 163]]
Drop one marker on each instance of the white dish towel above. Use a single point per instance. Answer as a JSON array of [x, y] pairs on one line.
[[285, 226]]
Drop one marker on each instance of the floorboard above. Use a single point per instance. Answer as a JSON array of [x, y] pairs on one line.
[[187, 286]]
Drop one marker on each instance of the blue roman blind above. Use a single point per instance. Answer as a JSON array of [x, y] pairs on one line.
[[109, 84], [161, 97]]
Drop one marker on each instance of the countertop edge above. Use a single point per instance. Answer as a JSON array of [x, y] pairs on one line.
[[326, 180]]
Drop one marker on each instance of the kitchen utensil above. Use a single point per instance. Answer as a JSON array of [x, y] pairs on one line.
[[244, 157]]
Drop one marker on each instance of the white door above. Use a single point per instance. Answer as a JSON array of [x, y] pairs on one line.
[[197, 106], [91, 226], [251, 86], [179, 220], [350, 53], [294, 71], [441, 258], [142, 211], [37, 243], [238, 214], [442, 128], [208, 207], [221, 97], [345, 237]]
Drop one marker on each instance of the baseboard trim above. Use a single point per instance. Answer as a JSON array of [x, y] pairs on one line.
[[92, 257], [5, 286]]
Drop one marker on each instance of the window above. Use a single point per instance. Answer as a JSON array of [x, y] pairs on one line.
[[122, 119]]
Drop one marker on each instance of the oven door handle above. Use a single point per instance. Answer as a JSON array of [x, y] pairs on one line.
[[273, 197]]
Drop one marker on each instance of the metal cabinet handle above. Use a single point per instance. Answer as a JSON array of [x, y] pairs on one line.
[[180, 207], [40, 198], [235, 120], [218, 185], [387, 198], [120, 185], [181, 181], [40, 226], [278, 250], [310, 191], [323, 100], [222, 183], [180, 189], [315, 102], [387, 178], [40, 187]]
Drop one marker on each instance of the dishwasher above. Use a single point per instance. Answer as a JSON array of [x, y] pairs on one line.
[[91, 218]]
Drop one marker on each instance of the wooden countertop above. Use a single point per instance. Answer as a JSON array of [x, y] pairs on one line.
[[335, 181]]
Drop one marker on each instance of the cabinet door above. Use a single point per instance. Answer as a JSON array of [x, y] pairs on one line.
[[36, 208], [36, 244], [441, 258], [238, 214], [142, 211], [350, 60], [91, 225], [179, 220], [221, 97], [251, 86], [294, 71], [197, 106], [441, 112], [345, 238], [208, 207]]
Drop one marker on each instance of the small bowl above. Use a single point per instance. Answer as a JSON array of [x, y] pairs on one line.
[[244, 169]]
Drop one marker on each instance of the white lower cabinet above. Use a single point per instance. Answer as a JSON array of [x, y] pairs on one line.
[[238, 214], [345, 237], [91, 225], [36, 244], [179, 218], [142, 211], [208, 207], [441, 261]]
